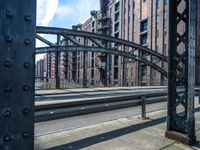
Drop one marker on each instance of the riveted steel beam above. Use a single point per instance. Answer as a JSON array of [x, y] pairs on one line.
[[57, 64], [180, 120], [45, 40], [97, 49], [17, 38], [52, 30]]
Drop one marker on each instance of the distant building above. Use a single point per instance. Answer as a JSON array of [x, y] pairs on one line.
[[39, 68], [141, 21]]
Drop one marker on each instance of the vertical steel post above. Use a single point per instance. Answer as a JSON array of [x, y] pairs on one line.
[[180, 121], [84, 66], [143, 104], [57, 65], [199, 95], [17, 46]]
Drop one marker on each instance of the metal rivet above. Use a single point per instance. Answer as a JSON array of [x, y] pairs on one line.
[[7, 138], [27, 65], [7, 88], [8, 64], [27, 18], [26, 111], [7, 113], [27, 42], [26, 88], [9, 14], [8, 39], [25, 134]]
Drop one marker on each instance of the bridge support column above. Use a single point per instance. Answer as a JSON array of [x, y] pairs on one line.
[[17, 38], [57, 65], [180, 119], [197, 77]]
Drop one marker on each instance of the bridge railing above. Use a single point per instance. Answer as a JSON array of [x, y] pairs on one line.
[[54, 110]]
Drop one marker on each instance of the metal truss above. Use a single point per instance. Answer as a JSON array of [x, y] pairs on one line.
[[17, 38], [92, 42], [182, 31], [103, 50], [97, 38]]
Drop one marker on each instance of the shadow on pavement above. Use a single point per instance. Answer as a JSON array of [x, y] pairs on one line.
[[83, 143]]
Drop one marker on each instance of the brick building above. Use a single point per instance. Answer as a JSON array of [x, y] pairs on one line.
[[141, 21], [39, 68]]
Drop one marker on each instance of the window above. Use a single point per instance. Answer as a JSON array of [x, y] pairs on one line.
[[117, 27], [157, 33], [165, 50], [117, 6], [116, 60], [143, 72], [116, 73], [157, 4], [117, 16], [157, 19], [143, 39], [92, 73], [165, 30], [144, 25], [117, 35], [156, 49], [165, 15]]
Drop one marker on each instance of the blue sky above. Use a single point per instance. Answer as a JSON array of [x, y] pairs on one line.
[[63, 13]]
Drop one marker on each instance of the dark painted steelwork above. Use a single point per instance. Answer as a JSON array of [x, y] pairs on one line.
[[84, 66], [89, 35], [180, 121], [103, 50], [17, 38], [57, 64], [102, 41], [44, 40]]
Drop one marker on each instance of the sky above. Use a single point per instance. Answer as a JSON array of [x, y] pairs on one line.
[[63, 13]]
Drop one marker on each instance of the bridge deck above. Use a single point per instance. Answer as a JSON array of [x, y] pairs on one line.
[[123, 133]]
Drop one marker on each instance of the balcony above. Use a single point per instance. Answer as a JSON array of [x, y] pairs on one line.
[[106, 27], [101, 65], [103, 19]]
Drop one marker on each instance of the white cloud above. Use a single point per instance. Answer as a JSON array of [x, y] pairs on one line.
[[78, 11], [64, 11], [46, 10]]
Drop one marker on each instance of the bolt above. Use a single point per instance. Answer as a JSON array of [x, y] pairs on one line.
[[7, 88], [8, 64], [27, 18], [27, 42], [7, 138], [7, 113], [8, 39], [9, 14], [26, 111], [25, 134], [27, 65], [26, 88]]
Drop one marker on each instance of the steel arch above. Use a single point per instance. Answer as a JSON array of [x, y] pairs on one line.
[[97, 49], [93, 36]]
